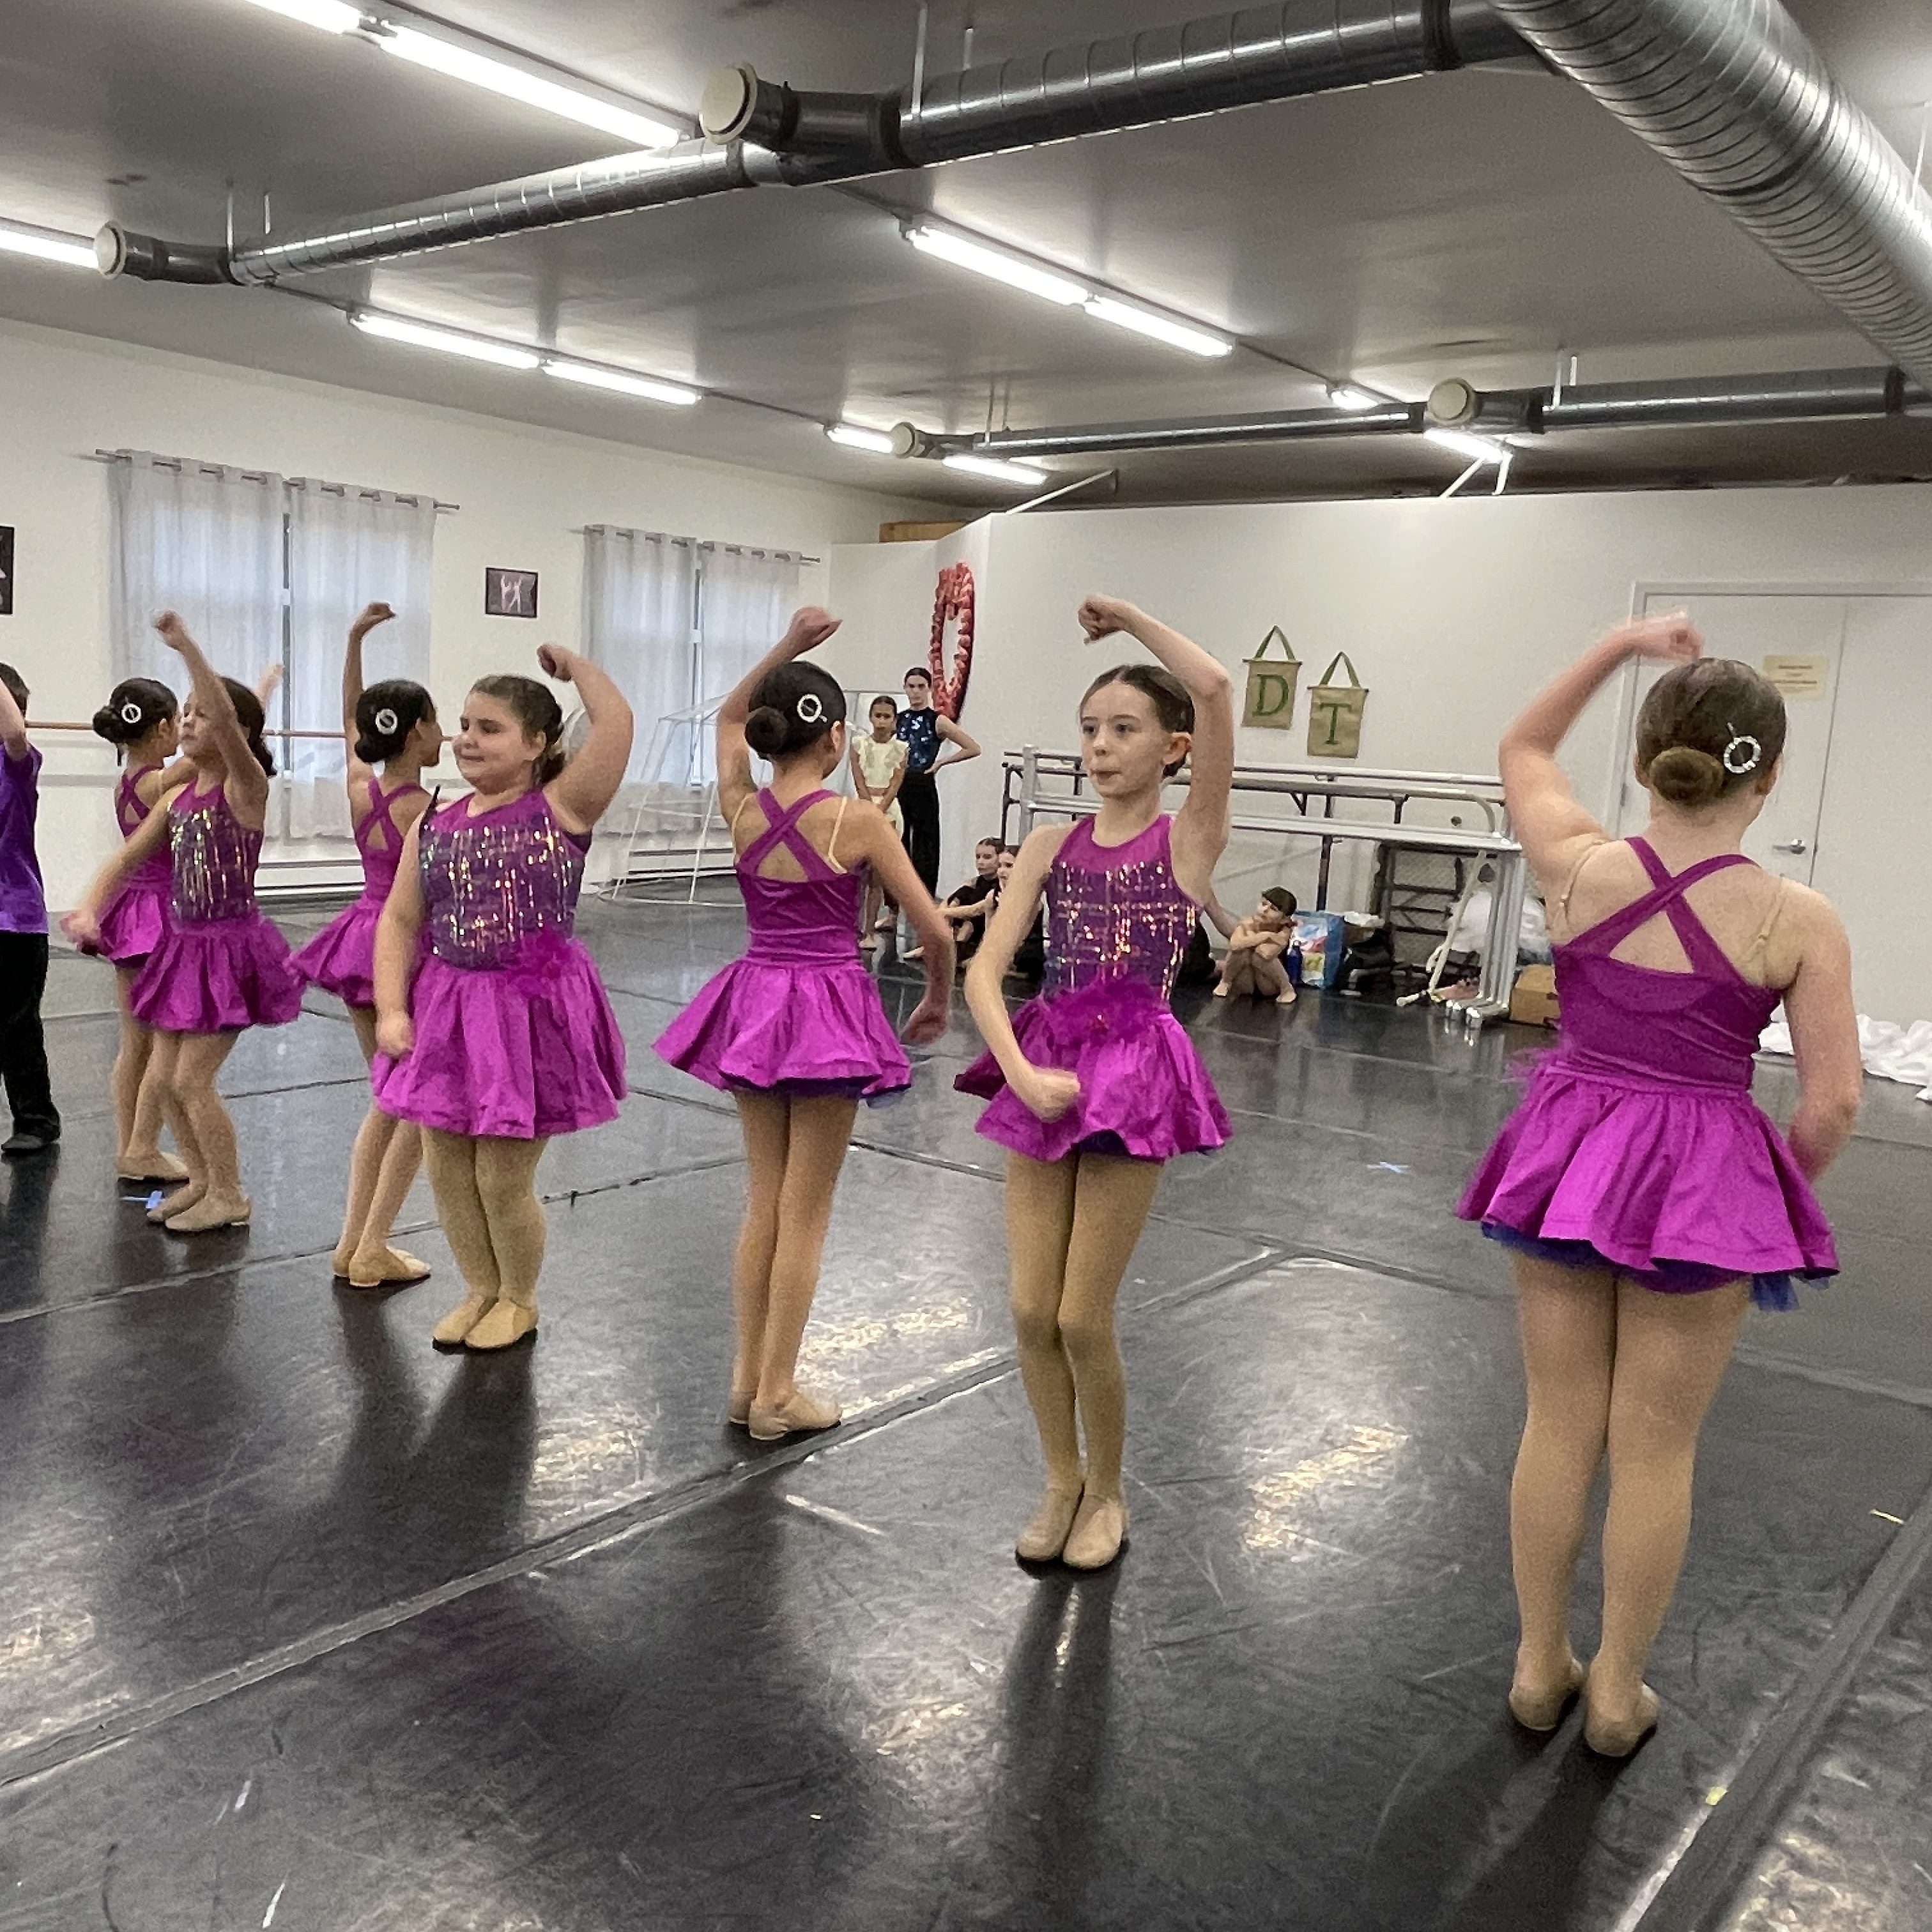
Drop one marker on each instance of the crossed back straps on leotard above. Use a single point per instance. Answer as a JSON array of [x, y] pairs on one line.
[[1666, 897], [378, 819], [782, 828]]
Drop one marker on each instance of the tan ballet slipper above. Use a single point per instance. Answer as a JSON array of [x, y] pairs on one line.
[[155, 1167], [178, 1202], [803, 1415], [451, 1330], [1619, 1739], [392, 1268], [1543, 1710], [1100, 1530], [1044, 1537], [505, 1324], [211, 1212]]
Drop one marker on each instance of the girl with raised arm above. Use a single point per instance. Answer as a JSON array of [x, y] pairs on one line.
[[217, 965], [391, 724], [1093, 1086], [493, 1030], [794, 1031], [1648, 1201]]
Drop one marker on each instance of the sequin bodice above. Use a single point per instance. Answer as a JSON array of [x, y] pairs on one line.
[[130, 814], [1115, 912], [213, 858], [493, 882]]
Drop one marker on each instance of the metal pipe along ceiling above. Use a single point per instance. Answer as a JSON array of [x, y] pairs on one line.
[[1734, 97], [759, 133]]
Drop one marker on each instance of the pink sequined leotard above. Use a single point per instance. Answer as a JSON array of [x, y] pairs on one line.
[[1117, 923], [219, 965], [514, 1036], [132, 921]]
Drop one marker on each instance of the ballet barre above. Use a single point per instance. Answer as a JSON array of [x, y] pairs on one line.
[[1030, 772]]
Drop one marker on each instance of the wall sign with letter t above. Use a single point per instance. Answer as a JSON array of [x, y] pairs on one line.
[[509, 593]]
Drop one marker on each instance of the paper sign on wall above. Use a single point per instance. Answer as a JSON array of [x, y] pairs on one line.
[[1798, 676]]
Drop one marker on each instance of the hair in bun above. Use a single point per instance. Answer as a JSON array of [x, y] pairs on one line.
[[134, 707], [1707, 730], [536, 709], [385, 714], [250, 716], [793, 707]]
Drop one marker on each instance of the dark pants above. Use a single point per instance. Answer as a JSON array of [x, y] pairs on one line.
[[919, 803], [23, 1047]]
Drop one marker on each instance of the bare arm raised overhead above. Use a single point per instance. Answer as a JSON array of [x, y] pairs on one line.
[[581, 793]]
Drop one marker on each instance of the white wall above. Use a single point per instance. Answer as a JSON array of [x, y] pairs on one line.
[[1453, 611], [525, 493]]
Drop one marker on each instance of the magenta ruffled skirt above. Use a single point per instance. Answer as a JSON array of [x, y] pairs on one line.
[[216, 976], [1680, 1188], [809, 1028], [133, 920], [517, 1052], [1143, 1090], [340, 959]]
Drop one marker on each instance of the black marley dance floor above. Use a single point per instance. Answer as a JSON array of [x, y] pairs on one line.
[[304, 1626]]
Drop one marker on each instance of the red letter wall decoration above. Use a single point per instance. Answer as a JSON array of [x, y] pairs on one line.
[[951, 602]]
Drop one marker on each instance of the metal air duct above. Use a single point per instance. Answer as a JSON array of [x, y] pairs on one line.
[[1734, 97], [761, 133]]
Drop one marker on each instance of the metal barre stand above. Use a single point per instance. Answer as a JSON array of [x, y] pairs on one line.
[[1028, 771]]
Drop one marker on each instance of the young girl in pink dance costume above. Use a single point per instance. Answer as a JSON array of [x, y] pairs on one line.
[[1094, 1085], [794, 1031], [1647, 1200], [217, 965], [493, 1030], [393, 725]]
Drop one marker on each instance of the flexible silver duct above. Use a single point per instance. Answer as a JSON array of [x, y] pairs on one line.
[[1819, 395], [1734, 97], [761, 133]]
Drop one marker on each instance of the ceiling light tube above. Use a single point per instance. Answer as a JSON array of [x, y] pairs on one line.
[[332, 16], [996, 264], [650, 389], [1187, 335], [1347, 396], [998, 469], [47, 244], [856, 436], [450, 341], [1470, 448], [517, 83]]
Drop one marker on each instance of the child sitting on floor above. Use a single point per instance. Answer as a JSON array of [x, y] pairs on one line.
[[967, 910], [1256, 964]]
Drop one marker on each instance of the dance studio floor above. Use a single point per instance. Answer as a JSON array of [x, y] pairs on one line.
[[303, 1625]]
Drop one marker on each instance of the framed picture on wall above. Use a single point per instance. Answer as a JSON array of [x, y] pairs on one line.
[[6, 570], [509, 593]]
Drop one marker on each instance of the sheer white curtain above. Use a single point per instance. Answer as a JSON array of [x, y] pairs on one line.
[[347, 548], [639, 589], [203, 539], [746, 597]]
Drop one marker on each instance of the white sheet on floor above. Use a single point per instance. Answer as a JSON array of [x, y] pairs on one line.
[[1892, 1051]]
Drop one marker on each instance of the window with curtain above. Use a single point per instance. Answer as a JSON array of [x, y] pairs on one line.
[[266, 569], [677, 623]]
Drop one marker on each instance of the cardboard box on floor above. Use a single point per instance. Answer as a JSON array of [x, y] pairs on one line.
[[1534, 1001]]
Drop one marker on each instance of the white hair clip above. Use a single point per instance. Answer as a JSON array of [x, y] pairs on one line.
[[386, 721], [130, 711], [811, 708], [1743, 754]]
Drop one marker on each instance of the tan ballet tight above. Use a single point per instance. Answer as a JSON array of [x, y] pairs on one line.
[[486, 1199], [1071, 1228], [387, 1153]]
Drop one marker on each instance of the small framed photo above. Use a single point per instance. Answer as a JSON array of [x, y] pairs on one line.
[[6, 570], [509, 593]]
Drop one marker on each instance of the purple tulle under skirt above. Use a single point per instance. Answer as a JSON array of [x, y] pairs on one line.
[[802, 1029], [216, 976], [516, 1052], [1679, 1189], [1143, 1092], [340, 959]]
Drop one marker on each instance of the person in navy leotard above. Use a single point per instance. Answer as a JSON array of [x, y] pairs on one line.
[[927, 733]]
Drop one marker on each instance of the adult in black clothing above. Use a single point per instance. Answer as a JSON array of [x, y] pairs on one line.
[[925, 732]]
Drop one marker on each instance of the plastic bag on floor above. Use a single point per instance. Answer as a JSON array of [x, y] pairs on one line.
[[1888, 1050]]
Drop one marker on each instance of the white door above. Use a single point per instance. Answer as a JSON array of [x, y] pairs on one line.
[[1874, 841], [1755, 628]]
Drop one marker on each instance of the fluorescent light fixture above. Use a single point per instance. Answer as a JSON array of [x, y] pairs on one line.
[[450, 341], [651, 388], [517, 83], [1346, 396], [996, 263], [999, 469], [1471, 449], [332, 16], [1187, 335], [856, 436], [47, 245]]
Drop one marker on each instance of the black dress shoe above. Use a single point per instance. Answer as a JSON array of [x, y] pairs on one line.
[[22, 1144]]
